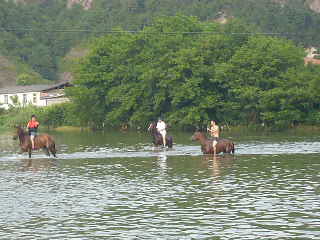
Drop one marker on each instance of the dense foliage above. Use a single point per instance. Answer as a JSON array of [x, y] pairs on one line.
[[192, 78], [35, 33], [186, 78], [51, 116], [28, 33]]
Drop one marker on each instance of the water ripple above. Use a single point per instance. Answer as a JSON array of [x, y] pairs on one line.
[[266, 191], [253, 148]]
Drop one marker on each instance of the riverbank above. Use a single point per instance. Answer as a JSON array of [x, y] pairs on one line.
[[233, 131], [63, 117]]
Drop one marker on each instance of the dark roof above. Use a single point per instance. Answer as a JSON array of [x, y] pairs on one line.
[[32, 88]]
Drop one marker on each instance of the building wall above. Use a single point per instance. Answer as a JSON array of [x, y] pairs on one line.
[[23, 99], [311, 52], [52, 101]]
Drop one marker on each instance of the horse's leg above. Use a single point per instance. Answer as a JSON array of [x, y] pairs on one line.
[[46, 151], [29, 151], [53, 149], [154, 141], [203, 149], [22, 151], [209, 148], [168, 141], [158, 141]]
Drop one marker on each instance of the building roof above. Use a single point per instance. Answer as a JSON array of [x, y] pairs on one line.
[[32, 88]]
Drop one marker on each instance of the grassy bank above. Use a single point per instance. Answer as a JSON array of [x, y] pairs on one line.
[[71, 129], [63, 117], [52, 116]]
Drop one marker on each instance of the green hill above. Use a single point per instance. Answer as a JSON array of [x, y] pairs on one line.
[[8, 73], [40, 33], [68, 62], [13, 73]]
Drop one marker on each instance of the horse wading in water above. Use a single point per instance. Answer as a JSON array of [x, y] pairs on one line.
[[222, 146], [42, 141], [157, 137]]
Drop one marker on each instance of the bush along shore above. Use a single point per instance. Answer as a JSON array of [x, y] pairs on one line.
[[50, 117], [62, 117]]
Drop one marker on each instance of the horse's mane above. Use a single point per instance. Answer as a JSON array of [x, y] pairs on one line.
[[153, 128], [203, 134], [22, 131]]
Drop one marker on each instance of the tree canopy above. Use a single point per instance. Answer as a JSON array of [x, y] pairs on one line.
[[42, 32], [191, 78]]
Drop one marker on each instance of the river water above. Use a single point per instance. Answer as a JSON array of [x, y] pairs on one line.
[[117, 186]]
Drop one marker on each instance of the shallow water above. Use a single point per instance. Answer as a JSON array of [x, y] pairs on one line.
[[117, 186]]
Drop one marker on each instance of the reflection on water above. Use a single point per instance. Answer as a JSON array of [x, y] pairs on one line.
[[145, 150], [219, 163], [109, 145], [162, 160], [135, 191], [36, 165]]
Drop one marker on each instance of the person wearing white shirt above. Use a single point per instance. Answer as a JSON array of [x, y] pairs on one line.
[[161, 127]]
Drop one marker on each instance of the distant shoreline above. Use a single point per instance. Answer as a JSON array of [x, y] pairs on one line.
[[230, 129]]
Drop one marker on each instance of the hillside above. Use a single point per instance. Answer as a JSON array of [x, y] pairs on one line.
[[313, 5], [69, 61], [13, 73], [40, 33], [8, 74]]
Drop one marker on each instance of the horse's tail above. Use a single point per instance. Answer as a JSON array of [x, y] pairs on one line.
[[53, 147], [229, 147], [170, 142]]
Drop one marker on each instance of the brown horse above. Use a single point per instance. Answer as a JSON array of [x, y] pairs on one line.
[[223, 145], [43, 141], [157, 138]]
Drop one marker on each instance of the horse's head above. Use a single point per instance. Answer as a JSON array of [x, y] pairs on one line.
[[197, 136], [152, 126], [18, 132]]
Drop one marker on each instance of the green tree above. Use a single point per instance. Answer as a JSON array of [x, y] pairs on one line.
[[192, 78], [24, 79]]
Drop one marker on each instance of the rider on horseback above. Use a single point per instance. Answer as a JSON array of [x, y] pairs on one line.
[[214, 132], [32, 126], [161, 127]]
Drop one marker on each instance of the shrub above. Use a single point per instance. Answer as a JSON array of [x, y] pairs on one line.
[[51, 116]]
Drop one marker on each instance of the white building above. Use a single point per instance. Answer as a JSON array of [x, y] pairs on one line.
[[38, 95], [311, 52]]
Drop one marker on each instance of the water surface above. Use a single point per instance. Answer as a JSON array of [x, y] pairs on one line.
[[117, 186]]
